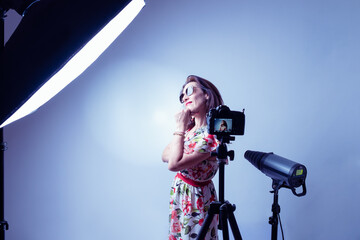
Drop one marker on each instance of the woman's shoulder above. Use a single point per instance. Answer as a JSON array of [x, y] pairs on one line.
[[203, 130], [205, 133], [198, 134]]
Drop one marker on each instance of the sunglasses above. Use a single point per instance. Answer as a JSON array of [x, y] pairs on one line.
[[188, 91]]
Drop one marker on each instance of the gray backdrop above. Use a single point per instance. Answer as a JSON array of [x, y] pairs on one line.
[[87, 165]]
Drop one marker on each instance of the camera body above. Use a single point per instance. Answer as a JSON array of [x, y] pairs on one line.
[[223, 122]]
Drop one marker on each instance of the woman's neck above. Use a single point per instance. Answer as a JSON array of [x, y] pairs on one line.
[[200, 122]]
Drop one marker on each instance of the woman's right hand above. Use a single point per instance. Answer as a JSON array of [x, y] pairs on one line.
[[182, 119]]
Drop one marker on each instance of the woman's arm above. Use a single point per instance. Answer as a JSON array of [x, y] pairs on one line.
[[178, 160], [174, 154], [176, 144], [187, 161], [166, 153]]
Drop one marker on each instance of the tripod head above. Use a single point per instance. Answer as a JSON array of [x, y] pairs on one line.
[[221, 151], [221, 155]]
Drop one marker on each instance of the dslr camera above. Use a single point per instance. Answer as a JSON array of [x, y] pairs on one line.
[[223, 122]]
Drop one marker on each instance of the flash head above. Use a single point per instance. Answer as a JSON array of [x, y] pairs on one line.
[[283, 171]]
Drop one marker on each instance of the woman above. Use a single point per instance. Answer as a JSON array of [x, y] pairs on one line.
[[189, 154], [223, 126]]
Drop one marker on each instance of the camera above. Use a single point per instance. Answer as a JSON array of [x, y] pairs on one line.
[[223, 122]]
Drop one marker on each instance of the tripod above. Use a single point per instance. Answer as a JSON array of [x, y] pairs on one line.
[[224, 208]]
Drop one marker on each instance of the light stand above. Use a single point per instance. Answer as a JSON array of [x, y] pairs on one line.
[[274, 220], [284, 173], [3, 223], [224, 208]]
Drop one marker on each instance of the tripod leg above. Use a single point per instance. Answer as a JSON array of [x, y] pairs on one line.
[[205, 227], [214, 209], [223, 221], [233, 224]]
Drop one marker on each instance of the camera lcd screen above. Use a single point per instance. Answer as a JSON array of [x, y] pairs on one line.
[[222, 125], [222, 122]]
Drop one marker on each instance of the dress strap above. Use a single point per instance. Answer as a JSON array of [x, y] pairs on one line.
[[192, 182]]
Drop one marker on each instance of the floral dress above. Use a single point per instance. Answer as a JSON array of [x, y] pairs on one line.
[[192, 191]]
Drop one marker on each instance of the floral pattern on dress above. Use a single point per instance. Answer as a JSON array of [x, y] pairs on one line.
[[189, 204]]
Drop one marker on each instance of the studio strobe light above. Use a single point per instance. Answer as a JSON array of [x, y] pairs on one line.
[[52, 45], [284, 173], [288, 173]]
